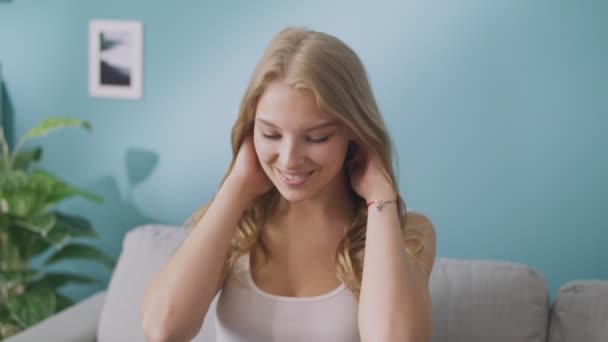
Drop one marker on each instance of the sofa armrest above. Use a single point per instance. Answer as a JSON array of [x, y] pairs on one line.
[[78, 323], [580, 312]]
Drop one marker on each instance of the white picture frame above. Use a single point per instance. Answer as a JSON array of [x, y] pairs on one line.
[[116, 59]]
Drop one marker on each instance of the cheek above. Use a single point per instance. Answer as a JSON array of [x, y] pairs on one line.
[[331, 156], [264, 150]]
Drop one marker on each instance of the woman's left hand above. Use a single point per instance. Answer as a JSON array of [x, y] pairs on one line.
[[369, 178]]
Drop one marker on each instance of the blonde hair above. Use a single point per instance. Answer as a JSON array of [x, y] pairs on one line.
[[332, 72]]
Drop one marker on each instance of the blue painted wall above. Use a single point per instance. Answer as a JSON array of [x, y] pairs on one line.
[[498, 111]]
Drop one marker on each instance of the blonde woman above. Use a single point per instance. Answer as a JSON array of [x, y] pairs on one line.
[[307, 237]]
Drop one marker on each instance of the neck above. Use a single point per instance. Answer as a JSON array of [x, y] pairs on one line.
[[330, 210]]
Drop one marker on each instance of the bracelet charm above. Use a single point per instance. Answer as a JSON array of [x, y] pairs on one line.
[[381, 203]]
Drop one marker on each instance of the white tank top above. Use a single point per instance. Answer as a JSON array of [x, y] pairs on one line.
[[245, 313]]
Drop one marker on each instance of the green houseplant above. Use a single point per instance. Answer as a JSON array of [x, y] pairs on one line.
[[30, 227]]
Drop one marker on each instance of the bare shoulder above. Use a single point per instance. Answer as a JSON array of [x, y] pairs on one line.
[[427, 240]]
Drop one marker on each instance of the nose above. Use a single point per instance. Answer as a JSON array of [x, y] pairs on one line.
[[291, 155]]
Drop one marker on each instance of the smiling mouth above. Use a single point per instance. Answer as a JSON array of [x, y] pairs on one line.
[[294, 179]]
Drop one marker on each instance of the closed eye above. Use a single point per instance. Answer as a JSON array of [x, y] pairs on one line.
[[319, 139], [271, 136], [310, 139]]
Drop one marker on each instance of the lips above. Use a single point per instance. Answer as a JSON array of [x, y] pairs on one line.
[[294, 178]]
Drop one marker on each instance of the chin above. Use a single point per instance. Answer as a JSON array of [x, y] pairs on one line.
[[297, 194], [294, 196]]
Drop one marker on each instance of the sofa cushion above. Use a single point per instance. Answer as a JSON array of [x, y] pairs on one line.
[[145, 250], [480, 301], [580, 312]]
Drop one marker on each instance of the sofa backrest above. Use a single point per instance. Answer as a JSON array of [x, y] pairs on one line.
[[580, 312], [479, 301], [145, 250], [472, 300]]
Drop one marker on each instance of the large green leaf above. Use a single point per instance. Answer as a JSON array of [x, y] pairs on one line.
[[31, 240], [25, 158], [4, 209], [8, 327], [24, 194], [29, 243], [81, 251], [36, 304], [68, 227], [14, 196], [63, 302], [22, 203], [17, 276], [21, 193], [55, 280], [40, 223], [10, 256], [49, 125], [59, 190], [66, 191], [11, 181]]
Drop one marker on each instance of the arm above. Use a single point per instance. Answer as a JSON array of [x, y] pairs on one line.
[[395, 302], [176, 301]]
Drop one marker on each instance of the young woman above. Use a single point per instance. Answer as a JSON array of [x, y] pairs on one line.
[[307, 236]]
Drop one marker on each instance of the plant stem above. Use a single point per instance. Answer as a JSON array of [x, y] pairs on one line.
[[5, 151], [18, 320], [4, 243], [25, 225], [12, 156]]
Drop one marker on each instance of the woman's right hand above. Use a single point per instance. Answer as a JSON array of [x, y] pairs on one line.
[[247, 172]]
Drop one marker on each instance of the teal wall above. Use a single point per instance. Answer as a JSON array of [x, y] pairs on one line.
[[498, 111]]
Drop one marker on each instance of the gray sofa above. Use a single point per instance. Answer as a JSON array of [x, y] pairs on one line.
[[473, 301]]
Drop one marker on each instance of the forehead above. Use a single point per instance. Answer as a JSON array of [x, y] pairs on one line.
[[286, 106]]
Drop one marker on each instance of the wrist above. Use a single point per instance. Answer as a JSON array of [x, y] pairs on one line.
[[387, 194], [238, 190], [379, 204]]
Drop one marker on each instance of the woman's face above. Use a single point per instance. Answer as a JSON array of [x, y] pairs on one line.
[[301, 148]]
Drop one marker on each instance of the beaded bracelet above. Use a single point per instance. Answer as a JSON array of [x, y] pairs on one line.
[[381, 203]]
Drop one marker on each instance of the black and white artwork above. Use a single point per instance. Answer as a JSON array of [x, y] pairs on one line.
[[115, 59]]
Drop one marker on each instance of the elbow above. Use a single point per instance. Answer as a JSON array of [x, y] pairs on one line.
[[162, 320], [421, 333], [405, 335], [152, 331], [156, 332], [401, 334], [396, 330], [156, 335], [157, 326]]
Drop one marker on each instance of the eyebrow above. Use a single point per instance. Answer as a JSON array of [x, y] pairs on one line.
[[313, 128]]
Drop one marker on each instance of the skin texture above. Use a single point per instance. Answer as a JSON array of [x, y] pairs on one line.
[[292, 136], [302, 233], [394, 302]]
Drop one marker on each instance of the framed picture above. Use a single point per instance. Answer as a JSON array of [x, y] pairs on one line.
[[115, 59]]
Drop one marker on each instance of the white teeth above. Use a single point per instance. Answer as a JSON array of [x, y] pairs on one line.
[[295, 177]]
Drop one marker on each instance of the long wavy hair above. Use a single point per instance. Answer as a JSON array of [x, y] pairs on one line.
[[332, 72]]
